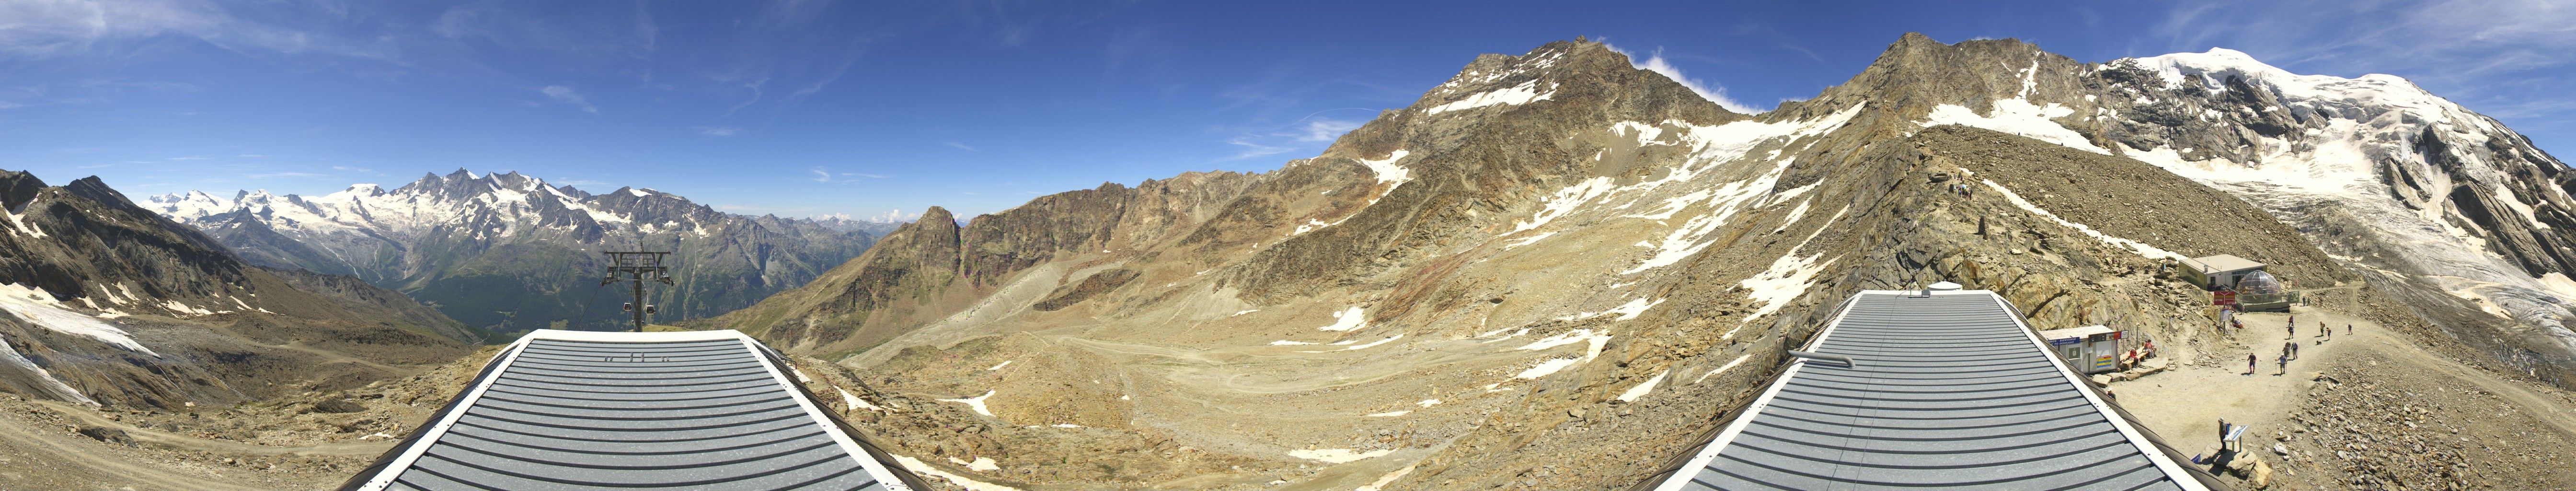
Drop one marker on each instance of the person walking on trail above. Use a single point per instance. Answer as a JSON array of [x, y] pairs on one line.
[[2285, 366], [2294, 349], [2347, 328], [2249, 363], [2294, 328]]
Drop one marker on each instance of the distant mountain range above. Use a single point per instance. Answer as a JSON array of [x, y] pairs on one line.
[[101, 301], [510, 253]]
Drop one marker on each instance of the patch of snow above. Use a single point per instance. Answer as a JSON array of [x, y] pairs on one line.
[[1722, 369], [60, 390], [855, 402], [1571, 337], [1066, 425], [1312, 225], [1789, 276], [1428, 402], [1545, 368], [981, 464], [924, 468], [976, 402], [1374, 344], [39, 308], [1288, 343], [1625, 311], [2019, 117], [1526, 92], [1564, 200], [1005, 363], [1348, 320], [1390, 414], [1244, 312], [1389, 478], [1526, 240], [21, 226], [175, 306], [1643, 388], [1338, 455], [2141, 248]]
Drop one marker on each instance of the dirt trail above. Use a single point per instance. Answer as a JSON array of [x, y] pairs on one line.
[[140, 434], [46, 455], [2184, 404], [2190, 399]]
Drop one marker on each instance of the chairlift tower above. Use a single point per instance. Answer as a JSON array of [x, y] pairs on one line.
[[638, 267]]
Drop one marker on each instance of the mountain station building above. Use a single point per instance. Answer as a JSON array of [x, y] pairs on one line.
[[2218, 272]]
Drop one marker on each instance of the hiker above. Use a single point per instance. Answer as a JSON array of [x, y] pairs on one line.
[[2285, 365], [2294, 328], [2294, 349], [2249, 363], [2287, 347], [2347, 328]]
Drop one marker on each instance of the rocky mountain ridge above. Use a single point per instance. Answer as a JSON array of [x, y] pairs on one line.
[[1550, 272], [509, 252]]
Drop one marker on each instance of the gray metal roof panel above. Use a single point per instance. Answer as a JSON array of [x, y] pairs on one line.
[[1948, 391], [587, 415]]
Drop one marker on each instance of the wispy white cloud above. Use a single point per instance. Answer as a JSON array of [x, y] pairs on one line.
[[1320, 129], [1305, 134], [825, 174], [566, 95], [35, 29], [960, 146], [1655, 62], [719, 130]]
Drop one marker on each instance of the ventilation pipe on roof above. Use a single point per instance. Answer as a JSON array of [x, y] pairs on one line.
[[1846, 361]]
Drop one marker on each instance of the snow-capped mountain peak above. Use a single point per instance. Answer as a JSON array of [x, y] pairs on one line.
[[419, 235]]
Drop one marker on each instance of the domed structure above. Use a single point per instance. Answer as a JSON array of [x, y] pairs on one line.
[[2259, 290]]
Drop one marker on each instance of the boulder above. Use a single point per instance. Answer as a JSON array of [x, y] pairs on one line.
[[338, 405], [2262, 475], [105, 435]]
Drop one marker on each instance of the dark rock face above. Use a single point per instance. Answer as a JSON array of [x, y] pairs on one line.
[[509, 253], [122, 306]]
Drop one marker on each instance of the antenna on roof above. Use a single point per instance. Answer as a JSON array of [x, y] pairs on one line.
[[639, 267]]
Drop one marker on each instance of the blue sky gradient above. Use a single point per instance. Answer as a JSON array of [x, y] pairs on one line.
[[806, 108]]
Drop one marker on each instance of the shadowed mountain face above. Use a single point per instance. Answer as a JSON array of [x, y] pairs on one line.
[[1472, 287], [510, 253], [102, 301]]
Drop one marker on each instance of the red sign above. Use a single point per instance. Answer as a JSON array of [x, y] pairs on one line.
[[2222, 297]]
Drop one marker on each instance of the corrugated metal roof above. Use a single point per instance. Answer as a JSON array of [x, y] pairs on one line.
[[1948, 390], [2076, 332], [2225, 262], [586, 411]]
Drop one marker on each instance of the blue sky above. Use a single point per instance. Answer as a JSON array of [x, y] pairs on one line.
[[805, 108]]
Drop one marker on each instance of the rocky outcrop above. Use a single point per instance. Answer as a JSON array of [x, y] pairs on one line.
[[921, 271]]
